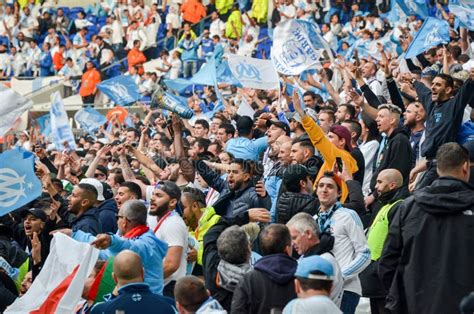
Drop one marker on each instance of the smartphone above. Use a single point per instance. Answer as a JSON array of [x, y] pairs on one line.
[[339, 163]]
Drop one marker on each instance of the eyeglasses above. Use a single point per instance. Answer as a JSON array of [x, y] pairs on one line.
[[99, 175]]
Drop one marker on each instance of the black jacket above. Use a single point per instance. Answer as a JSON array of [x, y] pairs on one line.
[[87, 222], [290, 203], [211, 259], [396, 155], [269, 286], [359, 158], [231, 203], [107, 211], [443, 119], [15, 257], [428, 252], [135, 298]]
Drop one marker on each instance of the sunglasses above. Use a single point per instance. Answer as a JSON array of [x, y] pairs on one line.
[[99, 175]]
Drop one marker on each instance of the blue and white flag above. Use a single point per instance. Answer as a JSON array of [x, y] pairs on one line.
[[414, 7], [13, 105], [254, 73], [297, 46], [122, 89], [432, 33], [464, 12], [18, 182], [44, 123], [90, 119], [60, 128]]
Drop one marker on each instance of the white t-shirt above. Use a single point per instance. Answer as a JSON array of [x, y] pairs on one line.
[[317, 304], [217, 27], [174, 20], [175, 68], [174, 232], [288, 10], [350, 247]]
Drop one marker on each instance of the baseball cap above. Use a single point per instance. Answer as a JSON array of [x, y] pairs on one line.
[[294, 173], [344, 133], [38, 213], [108, 192], [169, 188], [98, 186], [279, 124], [312, 264]]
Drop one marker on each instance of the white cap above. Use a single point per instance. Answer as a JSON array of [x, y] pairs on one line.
[[98, 186]]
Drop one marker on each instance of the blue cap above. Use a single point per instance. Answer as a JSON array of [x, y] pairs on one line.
[[315, 263]]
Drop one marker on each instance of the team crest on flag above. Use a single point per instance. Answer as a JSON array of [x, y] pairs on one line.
[[18, 182], [254, 73]]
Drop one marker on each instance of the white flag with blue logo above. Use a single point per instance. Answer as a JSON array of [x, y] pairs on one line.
[[90, 119], [18, 182], [254, 73], [464, 11], [432, 33], [297, 46], [60, 128], [122, 89], [13, 105]]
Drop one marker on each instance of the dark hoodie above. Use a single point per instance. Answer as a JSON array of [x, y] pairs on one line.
[[428, 252], [396, 155], [269, 286]]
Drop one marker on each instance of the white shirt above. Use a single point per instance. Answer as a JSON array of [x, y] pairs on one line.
[[175, 68], [134, 35], [350, 247], [375, 86], [288, 10], [173, 20], [174, 232], [217, 27], [369, 151]]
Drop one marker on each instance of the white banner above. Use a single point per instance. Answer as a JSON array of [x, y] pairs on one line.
[[297, 46], [12, 107], [254, 73], [60, 128], [59, 285]]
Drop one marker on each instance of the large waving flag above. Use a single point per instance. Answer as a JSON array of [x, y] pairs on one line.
[[18, 182], [60, 128], [297, 46], [414, 7], [464, 11], [13, 105], [59, 285], [122, 89], [432, 33], [254, 73], [90, 119]]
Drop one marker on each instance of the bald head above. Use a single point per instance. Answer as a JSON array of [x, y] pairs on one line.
[[128, 268], [388, 180]]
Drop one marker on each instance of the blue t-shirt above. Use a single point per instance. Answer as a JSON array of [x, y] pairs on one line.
[[245, 148]]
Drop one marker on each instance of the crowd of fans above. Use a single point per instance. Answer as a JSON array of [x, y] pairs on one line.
[[362, 187]]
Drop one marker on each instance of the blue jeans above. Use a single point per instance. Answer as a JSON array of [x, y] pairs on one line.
[[349, 302]]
